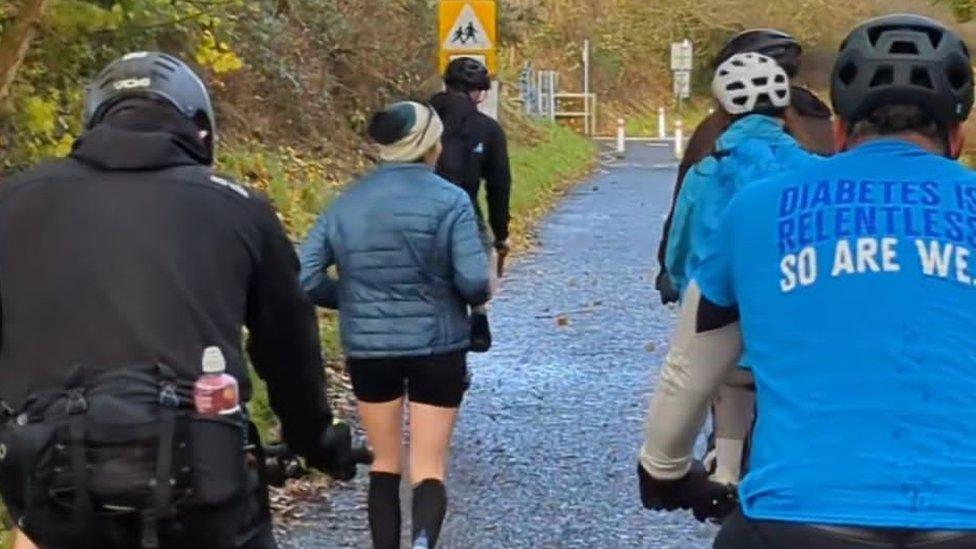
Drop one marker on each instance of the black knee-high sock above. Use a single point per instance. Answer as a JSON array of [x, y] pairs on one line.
[[429, 508], [384, 510]]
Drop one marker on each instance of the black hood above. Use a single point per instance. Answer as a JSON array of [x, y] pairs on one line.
[[453, 107], [140, 134], [109, 148]]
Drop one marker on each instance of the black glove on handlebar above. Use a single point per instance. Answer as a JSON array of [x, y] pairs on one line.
[[666, 288], [694, 491], [337, 457], [281, 464]]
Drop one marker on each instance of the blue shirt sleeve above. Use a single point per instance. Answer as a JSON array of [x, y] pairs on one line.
[[317, 255], [715, 276]]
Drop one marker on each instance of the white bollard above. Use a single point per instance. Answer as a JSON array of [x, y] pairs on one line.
[[679, 139], [662, 123], [621, 137]]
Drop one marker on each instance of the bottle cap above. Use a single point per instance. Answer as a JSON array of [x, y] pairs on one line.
[[213, 361]]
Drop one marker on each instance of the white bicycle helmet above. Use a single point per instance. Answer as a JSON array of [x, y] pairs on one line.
[[746, 82]]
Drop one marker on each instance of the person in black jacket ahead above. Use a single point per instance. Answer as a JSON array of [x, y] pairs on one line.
[[132, 250], [475, 148]]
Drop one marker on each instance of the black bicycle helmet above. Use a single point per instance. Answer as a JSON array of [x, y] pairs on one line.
[[467, 74], [150, 74], [770, 42], [903, 59]]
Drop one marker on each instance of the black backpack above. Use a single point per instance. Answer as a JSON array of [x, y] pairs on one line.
[[123, 447], [458, 162]]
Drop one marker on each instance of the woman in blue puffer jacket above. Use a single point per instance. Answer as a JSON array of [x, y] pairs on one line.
[[410, 266]]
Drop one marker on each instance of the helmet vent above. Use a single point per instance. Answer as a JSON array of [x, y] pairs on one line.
[[779, 79], [160, 74], [164, 65], [959, 77], [921, 78], [848, 73], [884, 76], [935, 37], [734, 86], [760, 81], [903, 47], [875, 32]]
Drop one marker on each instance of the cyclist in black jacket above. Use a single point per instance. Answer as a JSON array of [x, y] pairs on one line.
[[131, 250], [475, 149]]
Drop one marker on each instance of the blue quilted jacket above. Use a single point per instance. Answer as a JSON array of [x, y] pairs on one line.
[[409, 259]]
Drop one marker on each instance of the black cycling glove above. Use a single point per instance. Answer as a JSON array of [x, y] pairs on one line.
[[666, 288], [694, 491], [336, 456]]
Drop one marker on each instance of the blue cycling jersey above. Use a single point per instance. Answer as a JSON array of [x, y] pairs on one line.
[[855, 280]]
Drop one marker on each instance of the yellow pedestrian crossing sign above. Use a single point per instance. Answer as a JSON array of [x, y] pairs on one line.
[[467, 32], [468, 28]]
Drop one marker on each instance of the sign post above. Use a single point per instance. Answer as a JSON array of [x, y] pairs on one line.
[[682, 62], [587, 115], [527, 89], [468, 28]]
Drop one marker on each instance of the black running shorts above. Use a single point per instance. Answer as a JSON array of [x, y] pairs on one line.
[[437, 380]]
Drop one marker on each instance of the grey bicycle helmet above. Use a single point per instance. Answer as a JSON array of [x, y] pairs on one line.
[[155, 75], [903, 59]]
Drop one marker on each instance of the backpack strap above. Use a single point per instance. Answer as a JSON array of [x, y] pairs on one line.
[[76, 406], [162, 484]]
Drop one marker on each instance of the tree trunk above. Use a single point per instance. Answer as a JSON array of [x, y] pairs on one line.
[[16, 42]]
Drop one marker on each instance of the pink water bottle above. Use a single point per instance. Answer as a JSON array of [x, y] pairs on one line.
[[216, 392]]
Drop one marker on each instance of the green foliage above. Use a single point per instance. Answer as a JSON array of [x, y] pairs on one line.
[[963, 10], [260, 409], [77, 39], [296, 72], [6, 526], [298, 184]]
